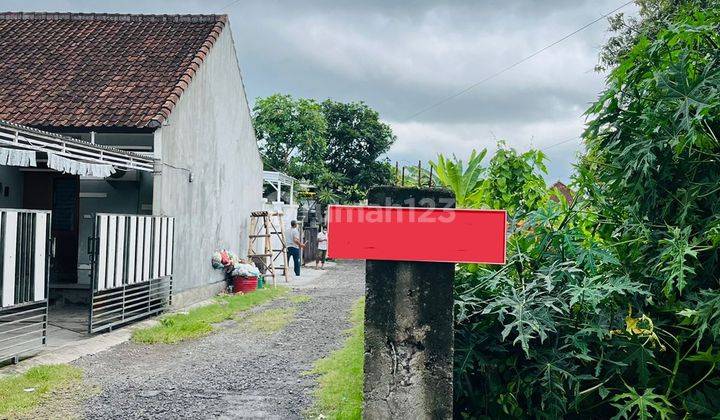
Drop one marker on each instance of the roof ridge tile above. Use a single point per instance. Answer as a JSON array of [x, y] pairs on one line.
[[120, 17]]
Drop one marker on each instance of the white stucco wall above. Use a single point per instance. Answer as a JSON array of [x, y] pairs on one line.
[[289, 212], [210, 134]]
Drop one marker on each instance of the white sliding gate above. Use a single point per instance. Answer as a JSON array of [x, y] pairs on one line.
[[132, 260], [24, 238]]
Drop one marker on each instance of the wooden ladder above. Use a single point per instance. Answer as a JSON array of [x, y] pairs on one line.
[[263, 226]]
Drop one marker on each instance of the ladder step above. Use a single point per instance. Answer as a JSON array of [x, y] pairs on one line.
[[260, 255], [259, 236]]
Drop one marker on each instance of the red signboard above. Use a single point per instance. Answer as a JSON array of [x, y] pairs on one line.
[[416, 234]]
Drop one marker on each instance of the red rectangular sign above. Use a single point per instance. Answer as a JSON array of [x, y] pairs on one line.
[[417, 234]]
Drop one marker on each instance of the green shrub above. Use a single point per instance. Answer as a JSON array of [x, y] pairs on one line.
[[609, 305]]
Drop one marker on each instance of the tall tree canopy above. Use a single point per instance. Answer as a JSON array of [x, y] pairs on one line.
[[336, 146], [291, 134], [356, 140]]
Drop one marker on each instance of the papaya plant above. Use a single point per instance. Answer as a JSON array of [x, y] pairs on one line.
[[608, 305]]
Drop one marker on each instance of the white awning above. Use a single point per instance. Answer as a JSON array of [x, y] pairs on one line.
[[74, 167], [275, 177], [277, 180], [17, 157], [87, 158]]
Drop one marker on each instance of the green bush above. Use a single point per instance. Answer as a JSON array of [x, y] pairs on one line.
[[609, 305]]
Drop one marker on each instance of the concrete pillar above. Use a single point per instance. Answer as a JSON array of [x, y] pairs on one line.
[[408, 326]]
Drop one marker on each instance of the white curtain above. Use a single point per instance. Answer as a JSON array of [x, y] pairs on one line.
[[17, 157], [75, 167]]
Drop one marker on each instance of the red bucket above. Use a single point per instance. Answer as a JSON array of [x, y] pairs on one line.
[[244, 284]]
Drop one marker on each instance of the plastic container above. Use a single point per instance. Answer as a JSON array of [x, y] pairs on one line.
[[261, 282], [243, 284]]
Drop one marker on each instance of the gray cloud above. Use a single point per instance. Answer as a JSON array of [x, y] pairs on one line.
[[402, 56]]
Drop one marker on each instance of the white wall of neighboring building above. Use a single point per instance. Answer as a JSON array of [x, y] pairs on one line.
[[289, 212], [208, 136]]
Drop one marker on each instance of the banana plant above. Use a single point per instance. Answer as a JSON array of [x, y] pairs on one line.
[[464, 181]]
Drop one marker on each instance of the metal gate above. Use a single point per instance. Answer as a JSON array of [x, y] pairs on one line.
[[23, 281], [132, 260]]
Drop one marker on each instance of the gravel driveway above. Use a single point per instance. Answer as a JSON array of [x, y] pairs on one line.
[[233, 373]]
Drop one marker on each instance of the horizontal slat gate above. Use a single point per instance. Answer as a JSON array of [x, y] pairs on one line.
[[23, 281], [132, 268]]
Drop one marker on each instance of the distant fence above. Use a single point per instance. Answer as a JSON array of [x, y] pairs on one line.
[[414, 175], [309, 253]]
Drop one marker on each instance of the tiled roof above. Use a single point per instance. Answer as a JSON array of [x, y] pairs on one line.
[[563, 189], [99, 70]]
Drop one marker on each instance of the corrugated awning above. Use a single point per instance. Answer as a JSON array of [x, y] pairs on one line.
[[85, 154]]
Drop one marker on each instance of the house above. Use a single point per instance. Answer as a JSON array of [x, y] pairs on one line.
[[559, 189], [131, 137]]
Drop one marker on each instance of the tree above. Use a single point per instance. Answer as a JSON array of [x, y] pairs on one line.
[[291, 135], [653, 17], [356, 140]]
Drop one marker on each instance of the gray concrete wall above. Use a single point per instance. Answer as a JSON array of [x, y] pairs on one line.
[[209, 135], [11, 177]]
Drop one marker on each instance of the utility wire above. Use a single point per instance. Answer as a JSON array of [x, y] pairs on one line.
[[414, 165], [517, 63], [559, 143]]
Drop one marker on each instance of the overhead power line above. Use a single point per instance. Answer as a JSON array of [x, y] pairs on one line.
[[517, 63], [550, 146], [559, 143]]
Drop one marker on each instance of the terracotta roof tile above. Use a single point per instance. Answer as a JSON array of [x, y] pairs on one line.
[[560, 188], [99, 70]]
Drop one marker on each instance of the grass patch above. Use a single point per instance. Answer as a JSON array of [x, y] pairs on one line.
[[299, 298], [270, 321], [38, 381], [198, 322], [340, 394]]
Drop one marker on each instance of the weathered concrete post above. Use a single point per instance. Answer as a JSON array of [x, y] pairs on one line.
[[408, 326]]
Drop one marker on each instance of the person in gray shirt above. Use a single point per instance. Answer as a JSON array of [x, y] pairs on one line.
[[294, 245]]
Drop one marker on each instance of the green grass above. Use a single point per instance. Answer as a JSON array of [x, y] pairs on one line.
[[269, 321], [199, 322], [340, 394], [299, 298], [21, 393]]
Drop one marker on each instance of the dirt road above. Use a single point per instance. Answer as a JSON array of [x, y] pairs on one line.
[[237, 372]]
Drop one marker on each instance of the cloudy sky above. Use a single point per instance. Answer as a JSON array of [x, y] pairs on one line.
[[402, 57]]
